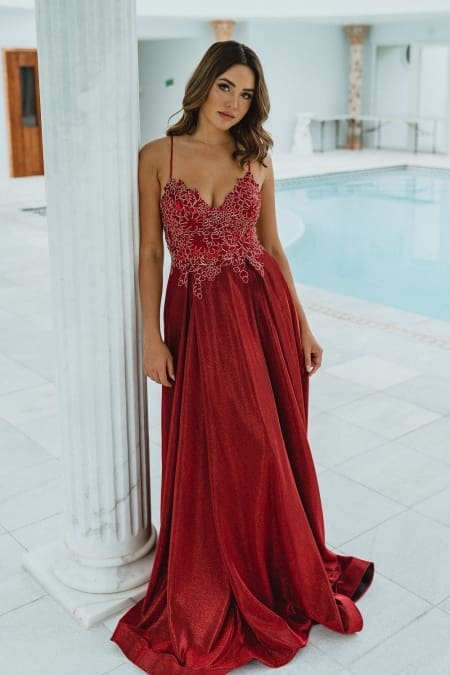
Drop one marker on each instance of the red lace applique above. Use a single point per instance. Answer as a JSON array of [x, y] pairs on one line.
[[203, 238]]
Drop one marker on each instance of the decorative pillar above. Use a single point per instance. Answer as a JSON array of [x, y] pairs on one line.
[[223, 29], [356, 35], [90, 112]]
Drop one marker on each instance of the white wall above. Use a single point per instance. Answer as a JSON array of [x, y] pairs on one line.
[[401, 32], [173, 57], [418, 34], [17, 30], [159, 60], [306, 68]]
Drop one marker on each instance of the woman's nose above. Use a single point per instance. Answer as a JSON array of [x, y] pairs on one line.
[[233, 100]]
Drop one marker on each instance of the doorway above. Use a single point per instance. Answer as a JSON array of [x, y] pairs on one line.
[[23, 113]]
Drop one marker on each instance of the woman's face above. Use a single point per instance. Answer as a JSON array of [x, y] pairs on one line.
[[230, 97]]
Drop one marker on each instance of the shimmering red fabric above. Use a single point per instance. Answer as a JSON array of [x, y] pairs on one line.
[[241, 569]]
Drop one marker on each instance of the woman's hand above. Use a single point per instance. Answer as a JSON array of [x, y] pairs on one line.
[[312, 351], [158, 363]]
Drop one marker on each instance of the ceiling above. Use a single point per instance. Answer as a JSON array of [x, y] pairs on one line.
[[323, 11]]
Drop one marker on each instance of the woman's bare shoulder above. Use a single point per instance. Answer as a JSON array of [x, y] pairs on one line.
[[154, 156], [265, 172], [152, 151]]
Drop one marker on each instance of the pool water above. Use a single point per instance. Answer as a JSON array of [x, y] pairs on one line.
[[381, 235]]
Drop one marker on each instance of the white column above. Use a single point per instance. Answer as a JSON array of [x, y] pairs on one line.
[[88, 71]]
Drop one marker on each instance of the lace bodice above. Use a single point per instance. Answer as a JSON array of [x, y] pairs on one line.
[[202, 239]]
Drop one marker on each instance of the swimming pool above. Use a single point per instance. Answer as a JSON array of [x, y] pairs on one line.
[[381, 235]]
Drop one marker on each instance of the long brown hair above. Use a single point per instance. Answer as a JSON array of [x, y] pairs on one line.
[[252, 141]]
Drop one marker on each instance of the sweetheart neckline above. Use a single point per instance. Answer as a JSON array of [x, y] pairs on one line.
[[196, 192]]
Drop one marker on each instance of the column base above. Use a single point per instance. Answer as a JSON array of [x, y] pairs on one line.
[[87, 608]]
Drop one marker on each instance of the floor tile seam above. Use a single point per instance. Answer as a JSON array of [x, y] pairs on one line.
[[421, 452], [33, 522], [46, 483], [25, 604], [331, 657], [342, 419], [377, 525], [378, 643], [401, 438], [389, 637], [414, 506], [34, 386], [442, 343], [50, 459], [376, 392], [377, 492], [111, 672], [380, 389], [397, 501], [22, 527], [358, 453], [410, 381], [420, 405], [427, 517], [403, 444], [19, 543], [431, 604], [23, 466], [432, 518], [341, 405], [383, 522], [20, 430], [332, 411], [45, 380], [330, 467]]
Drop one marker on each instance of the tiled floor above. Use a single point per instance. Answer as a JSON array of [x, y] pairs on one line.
[[379, 429]]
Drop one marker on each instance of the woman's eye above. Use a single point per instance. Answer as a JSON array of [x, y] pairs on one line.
[[226, 87]]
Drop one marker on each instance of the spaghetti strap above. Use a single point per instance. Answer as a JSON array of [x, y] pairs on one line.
[[171, 155]]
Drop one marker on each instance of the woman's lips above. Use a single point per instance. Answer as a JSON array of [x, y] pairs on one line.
[[226, 116]]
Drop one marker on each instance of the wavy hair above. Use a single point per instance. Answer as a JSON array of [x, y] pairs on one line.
[[252, 141]]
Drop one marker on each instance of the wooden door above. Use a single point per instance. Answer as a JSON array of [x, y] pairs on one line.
[[23, 112]]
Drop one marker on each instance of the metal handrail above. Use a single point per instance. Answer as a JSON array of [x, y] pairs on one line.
[[379, 121]]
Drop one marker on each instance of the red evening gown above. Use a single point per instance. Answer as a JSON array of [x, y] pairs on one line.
[[241, 568]]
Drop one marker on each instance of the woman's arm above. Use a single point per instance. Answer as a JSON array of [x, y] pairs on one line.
[[268, 236], [157, 360]]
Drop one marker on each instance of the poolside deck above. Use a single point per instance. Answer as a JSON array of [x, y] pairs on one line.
[[379, 431]]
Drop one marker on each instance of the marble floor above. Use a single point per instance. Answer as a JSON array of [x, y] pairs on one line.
[[379, 429]]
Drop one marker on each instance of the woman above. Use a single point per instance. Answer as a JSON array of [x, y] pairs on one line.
[[241, 570]]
